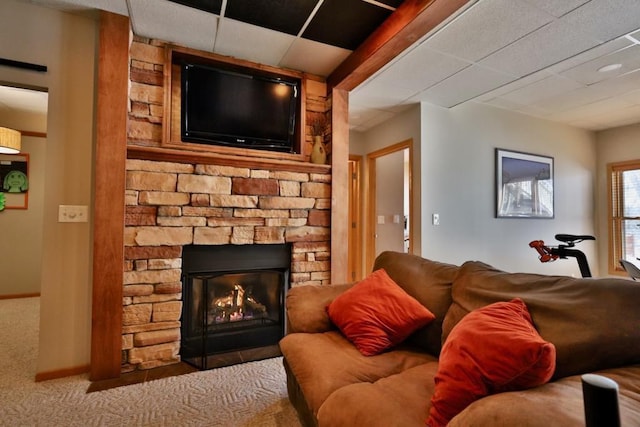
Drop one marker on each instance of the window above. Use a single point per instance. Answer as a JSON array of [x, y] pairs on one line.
[[624, 214]]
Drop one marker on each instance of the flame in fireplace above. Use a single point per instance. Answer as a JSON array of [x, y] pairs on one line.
[[237, 305]]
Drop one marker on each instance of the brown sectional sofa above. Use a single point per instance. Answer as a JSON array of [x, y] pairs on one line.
[[593, 323]]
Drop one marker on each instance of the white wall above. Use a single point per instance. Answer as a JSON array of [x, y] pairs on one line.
[[66, 44], [458, 180], [613, 145]]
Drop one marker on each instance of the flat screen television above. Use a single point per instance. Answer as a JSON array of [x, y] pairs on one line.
[[238, 109]]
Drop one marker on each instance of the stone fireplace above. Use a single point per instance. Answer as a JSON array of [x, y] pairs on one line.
[[180, 198], [173, 205]]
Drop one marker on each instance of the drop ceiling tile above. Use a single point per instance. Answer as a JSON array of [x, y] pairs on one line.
[[322, 60], [115, 6], [287, 16], [421, 68], [620, 117], [557, 8], [486, 27], [591, 54], [465, 85], [588, 73], [596, 92], [380, 95], [542, 48], [594, 109], [252, 43], [392, 3], [542, 89], [633, 97], [211, 6], [606, 19], [379, 118], [345, 23], [165, 20], [361, 116], [515, 85]]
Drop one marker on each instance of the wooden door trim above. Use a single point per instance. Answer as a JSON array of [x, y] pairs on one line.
[[355, 218]]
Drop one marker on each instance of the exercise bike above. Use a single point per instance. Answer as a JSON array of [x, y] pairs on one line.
[[563, 251]]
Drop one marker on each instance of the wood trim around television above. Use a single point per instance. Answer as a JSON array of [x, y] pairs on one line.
[[171, 137]]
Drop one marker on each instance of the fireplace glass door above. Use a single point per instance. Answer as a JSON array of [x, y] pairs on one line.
[[231, 311]]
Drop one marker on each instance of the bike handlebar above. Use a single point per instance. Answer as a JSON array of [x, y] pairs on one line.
[[544, 251]]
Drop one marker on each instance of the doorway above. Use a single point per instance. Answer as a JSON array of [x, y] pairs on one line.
[[390, 200], [24, 110]]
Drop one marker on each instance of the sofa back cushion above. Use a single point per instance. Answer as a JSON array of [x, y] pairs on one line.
[[427, 281], [593, 323]]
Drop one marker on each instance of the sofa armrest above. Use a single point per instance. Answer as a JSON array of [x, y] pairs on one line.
[[306, 307]]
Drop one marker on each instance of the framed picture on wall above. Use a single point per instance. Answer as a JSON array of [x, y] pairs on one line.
[[14, 180], [524, 185]]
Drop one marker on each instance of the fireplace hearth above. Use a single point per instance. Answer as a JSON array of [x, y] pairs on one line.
[[233, 308]]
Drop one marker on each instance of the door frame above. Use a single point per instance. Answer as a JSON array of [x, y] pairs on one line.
[[355, 219], [370, 218]]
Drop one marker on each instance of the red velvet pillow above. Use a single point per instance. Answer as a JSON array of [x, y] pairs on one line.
[[377, 313], [492, 349]]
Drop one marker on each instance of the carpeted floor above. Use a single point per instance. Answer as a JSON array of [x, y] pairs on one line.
[[252, 394]]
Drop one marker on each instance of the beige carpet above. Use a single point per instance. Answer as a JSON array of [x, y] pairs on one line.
[[252, 394]]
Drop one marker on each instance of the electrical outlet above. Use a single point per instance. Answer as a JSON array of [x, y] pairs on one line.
[[73, 213]]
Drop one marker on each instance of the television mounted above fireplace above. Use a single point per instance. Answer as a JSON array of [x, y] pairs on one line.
[[239, 107]]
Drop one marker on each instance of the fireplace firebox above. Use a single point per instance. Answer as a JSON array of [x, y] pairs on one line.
[[233, 303]]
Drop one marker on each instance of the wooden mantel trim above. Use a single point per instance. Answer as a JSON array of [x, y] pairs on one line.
[[108, 223], [412, 20], [204, 157]]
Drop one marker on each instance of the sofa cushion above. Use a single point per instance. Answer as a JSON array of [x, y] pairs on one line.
[[324, 362], [558, 403], [377, 314], [427, 281], [593, 323], [395, 401], [492, 350], [307, 307]]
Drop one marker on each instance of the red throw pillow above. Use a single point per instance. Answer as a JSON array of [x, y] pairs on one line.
[[492, 349], [377, 313]]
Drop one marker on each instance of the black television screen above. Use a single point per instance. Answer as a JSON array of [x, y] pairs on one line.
[[237, 109]]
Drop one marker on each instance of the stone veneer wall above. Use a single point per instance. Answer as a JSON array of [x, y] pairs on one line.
[[170, 204]]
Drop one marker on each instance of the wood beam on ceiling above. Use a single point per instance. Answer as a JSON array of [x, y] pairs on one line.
[[412, 20]]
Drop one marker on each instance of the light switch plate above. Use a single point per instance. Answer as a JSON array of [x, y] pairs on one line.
[[73, 213]]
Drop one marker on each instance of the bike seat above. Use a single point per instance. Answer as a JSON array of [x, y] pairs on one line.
[[572, 238]]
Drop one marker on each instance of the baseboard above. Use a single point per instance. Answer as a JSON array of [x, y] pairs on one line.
[[14, 296], [61, 373]]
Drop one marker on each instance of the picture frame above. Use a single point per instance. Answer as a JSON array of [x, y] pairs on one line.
[[14, 180], [524, 185]]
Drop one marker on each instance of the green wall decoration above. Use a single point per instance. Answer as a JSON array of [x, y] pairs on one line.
[[14, 180], [1, 201]]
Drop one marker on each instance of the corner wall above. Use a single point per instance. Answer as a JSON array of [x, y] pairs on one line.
[[458, 182]]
